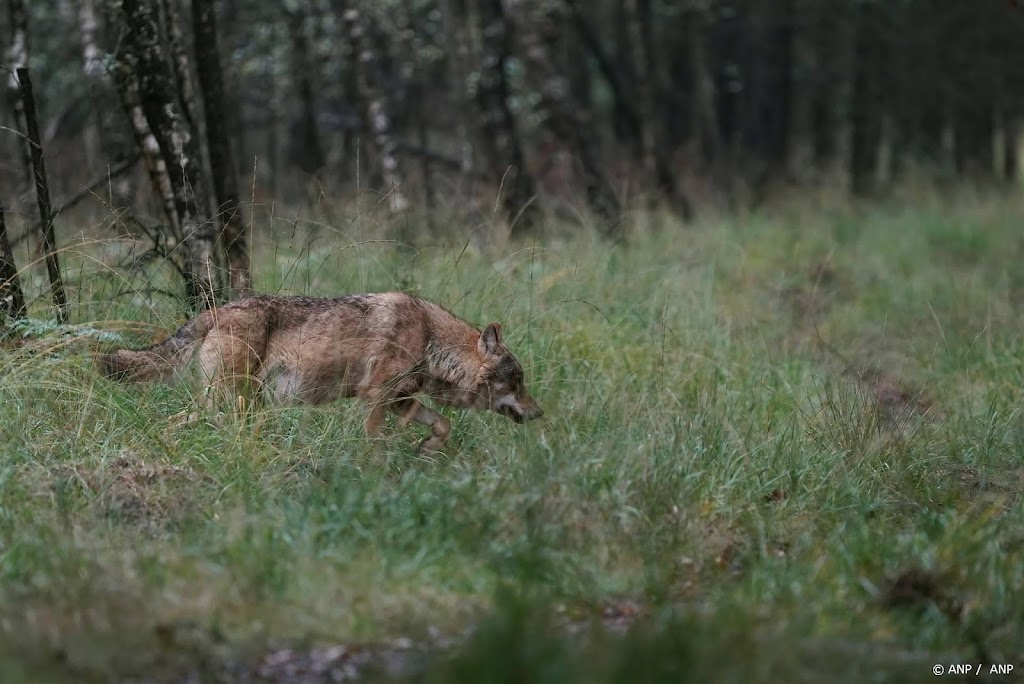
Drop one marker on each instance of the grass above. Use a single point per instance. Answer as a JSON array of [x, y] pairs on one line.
[[780, 447]]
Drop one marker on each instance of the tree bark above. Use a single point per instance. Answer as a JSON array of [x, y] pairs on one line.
[[771, 60], [799, 147], [653, 157], [131, 101], [975, 127], [17, 58], [93, 72], [866, 116], [222, 165], [636, 19], [180, 64], [540, 32], [306, 148], [373, 106], [459, 65], [43, 196], [1011, 147], [180, 151], [499, 133], [625, 114], [704, 112], [835, 36], [12, 300]]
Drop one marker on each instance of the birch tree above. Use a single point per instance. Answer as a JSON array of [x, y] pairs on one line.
[[179, 148], [17, 58], [373, 104]]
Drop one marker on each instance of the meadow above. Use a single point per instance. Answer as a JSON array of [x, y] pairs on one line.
[[782, 446]]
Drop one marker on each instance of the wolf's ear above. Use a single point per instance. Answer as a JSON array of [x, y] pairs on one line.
[[490, 340]]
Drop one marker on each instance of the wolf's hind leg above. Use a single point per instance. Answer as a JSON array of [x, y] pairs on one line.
[[413, 411], [230, 367]]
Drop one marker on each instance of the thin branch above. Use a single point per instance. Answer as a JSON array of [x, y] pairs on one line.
[[43, 196], [87, 191]]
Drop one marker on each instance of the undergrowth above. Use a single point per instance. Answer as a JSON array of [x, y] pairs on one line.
[[789, 442]]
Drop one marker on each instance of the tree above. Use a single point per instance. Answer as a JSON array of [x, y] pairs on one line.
[[12, 301], [866, 115], [222, 165], [683, 102], [642, 63], [127, 84], [180, 63], [41, 182], [180, 151], [306, 148], [17, 58], [373, 104], [499, 135], [94, 72], [541, 25]]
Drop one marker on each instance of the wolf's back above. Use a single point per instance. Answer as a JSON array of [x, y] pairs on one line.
[[159, 361]]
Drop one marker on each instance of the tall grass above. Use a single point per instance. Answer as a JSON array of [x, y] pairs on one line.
[[791, 443]]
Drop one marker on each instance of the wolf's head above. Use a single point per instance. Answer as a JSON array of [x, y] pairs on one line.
[[503, 386]]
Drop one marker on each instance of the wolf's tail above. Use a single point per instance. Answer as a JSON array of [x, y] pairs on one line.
[[159, 361]]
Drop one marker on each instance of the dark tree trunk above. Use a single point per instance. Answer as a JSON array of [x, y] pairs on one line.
[[180, 151], [459, 67], [865, 114], [800, 145], [306, 149], [624, 56], [540, 33], [499, 133], [1011, 147], [12, 301], [704, 115], [637, 18], [218, 137], [17, 58], [627, 121], [799, 148], [233, 97], [49, 241], [423, 133], [653, 155], [373, 106], [974, 145], [726, 38], [113, 134], [770, 80], [835, 36], [571, 52]]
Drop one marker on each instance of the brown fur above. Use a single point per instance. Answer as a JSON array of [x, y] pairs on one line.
[[383, 348]]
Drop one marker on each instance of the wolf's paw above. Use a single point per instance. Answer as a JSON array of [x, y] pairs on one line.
[[183, 418], [432, 447]]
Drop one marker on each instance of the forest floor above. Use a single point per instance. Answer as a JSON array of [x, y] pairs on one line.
[[781, 447]]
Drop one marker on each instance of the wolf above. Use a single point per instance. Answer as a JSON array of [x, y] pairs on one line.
[[383, 348]]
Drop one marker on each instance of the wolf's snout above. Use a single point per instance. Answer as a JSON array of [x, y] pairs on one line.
[[519, 410]]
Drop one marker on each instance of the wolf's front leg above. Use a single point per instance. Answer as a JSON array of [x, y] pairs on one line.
[[375, 419], [412, 411]]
